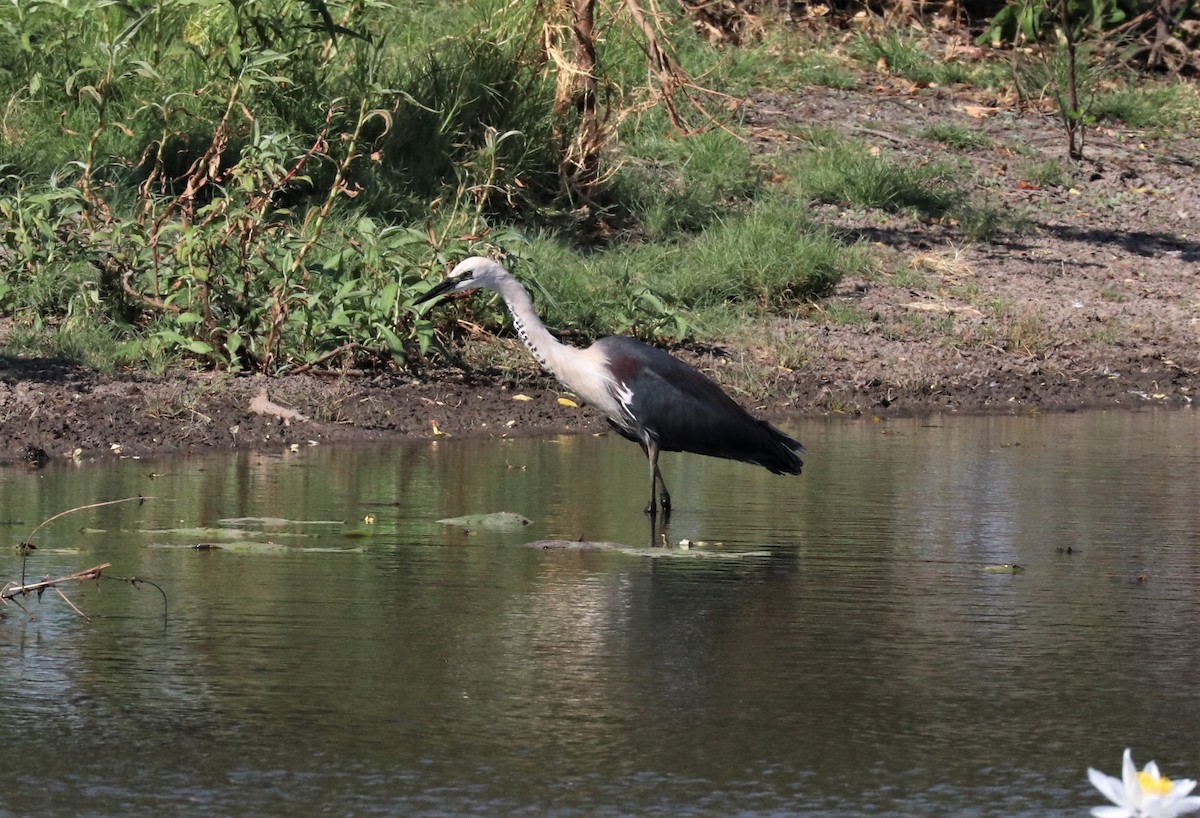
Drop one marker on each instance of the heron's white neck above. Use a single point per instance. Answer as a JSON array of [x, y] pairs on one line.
[[549, 352], [584, 371]]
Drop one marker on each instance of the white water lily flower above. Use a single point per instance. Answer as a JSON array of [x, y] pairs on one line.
[[1145, 794]]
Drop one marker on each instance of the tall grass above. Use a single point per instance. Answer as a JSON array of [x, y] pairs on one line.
[[671, 185], [770, 258], [849, 173]]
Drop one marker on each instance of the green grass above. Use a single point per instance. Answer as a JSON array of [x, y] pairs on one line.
[[1162, 107], [786, 59], [850, 173], [769, 259], [101, 347], [956, 136], [1048, 172], [846, 314], [672, 185], [906, 54]]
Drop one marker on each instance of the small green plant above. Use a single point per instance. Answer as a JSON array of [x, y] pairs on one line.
[[783, 57], [956, 136], [1046, 173], [674, 186], [772, 256], [1013, 329], [650, 315], [846, 314], [902, 53], [849, 173], [852, 174], [1068, 37], [98, 346], [908, 277], [1166, 108]]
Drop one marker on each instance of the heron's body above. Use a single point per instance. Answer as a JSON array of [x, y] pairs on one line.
[[647, 395]]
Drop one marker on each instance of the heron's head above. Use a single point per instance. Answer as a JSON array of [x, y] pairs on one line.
[[469, 274]]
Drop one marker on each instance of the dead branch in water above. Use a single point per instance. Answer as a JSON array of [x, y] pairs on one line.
[[29, 540], [12, 590]]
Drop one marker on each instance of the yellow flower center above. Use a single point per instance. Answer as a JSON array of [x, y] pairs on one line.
[[1154, 784]]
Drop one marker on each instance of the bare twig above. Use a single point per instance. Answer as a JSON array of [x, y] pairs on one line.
[[140, 499], [13, 590], [27, 546], [71, 604], [333, 353], [666, 72]]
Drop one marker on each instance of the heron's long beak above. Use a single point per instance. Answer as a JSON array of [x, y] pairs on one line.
[[436, 290]]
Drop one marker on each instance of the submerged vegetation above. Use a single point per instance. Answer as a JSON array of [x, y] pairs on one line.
[[269, 185]]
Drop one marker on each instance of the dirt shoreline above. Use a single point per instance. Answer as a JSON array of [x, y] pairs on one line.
[[1095, 303], [61, 411]]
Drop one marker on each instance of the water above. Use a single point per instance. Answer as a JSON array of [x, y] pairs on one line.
[[841, 650]]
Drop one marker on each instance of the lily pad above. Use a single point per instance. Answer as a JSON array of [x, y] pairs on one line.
[[214, 533], [497, 521], [198, 533], [274, 522], [256, 547], [692, 554], [666, 552], [576, 545]]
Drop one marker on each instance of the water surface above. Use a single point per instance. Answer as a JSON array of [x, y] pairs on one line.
[[841, 648]]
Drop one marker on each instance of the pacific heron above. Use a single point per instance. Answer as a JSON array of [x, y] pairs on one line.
[[647, 395]]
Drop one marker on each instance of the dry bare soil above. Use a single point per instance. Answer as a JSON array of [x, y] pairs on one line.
[[1092, 303]]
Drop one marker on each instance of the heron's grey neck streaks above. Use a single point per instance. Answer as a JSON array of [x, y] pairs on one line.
[[544, 346], [583, 371]]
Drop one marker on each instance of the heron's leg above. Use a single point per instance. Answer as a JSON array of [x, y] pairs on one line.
[[658, 529], [651, 447], [657, 484], [652, 455]]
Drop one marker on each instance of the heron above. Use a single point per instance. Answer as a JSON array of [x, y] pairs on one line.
[[647, 395]]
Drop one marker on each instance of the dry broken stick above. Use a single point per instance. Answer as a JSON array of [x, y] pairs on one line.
[[28, 545], [12, 590], [262, 405]]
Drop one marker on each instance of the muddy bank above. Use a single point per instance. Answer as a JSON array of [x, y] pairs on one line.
[[64, 411]]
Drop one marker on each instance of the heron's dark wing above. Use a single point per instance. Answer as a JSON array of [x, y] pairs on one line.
[[684, 410]]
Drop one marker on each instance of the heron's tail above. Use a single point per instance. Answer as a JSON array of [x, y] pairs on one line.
[[782, 454]]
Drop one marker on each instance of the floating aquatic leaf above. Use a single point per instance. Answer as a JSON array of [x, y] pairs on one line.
[[255, 547], [198, 533], [576, 545], [653, 553], [500, 520], [274, 522], [694, 554], [1004, 568]]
